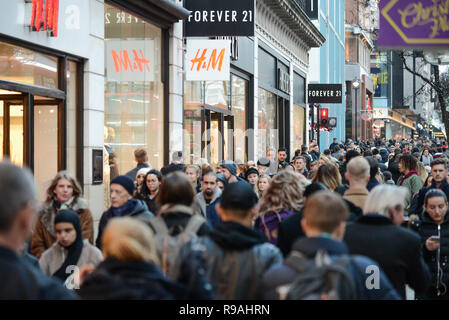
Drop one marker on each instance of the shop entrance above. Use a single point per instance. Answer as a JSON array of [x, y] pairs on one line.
[[218, 136], [31, 133]]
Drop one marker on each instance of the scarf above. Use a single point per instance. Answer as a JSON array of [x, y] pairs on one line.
[[75, 248], [411, 173], [126, 209]]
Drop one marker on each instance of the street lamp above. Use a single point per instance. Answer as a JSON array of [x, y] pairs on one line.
[[356, 86]]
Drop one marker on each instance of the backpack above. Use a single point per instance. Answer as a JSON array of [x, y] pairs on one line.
[[320, 278], [168, 246]]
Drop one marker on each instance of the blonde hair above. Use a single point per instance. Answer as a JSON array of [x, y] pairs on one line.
[[422, 172], [384, 197], [128, 239], [284, 193], [329, 175], [262, 176]]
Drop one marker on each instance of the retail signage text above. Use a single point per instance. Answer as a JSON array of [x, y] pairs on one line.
[[324, 93], [45, 16], [208, 60], [413, 23], [283, 80], [130, 60], [219, 18]]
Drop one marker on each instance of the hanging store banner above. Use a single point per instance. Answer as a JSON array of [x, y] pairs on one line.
[[219, 18], [130, 60], [324, 93], [413, 23], [208, 60]]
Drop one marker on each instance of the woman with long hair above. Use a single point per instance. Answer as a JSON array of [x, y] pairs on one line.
[[150, 190], [434, 232], [329, 175], [262, 184], [281, 200], [64, 193]]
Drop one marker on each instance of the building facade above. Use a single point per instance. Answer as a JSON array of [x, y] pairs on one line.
[[263, 104], [328, 62]]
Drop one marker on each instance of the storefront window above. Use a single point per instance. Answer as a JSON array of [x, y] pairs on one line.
[[298, 126], [239, 94], [217, 94], [268, 134], [134, 96], [26, 66]]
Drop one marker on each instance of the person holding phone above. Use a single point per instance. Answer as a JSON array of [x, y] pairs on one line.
[[434, 231]]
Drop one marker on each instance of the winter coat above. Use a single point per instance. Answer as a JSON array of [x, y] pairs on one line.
[[44, 232], [269, 223], [52, 259], [373, 182], [208, 210], [419, 207], [282, 275], [235, 257], [426, 227], [289, 231], [356, 196], [397, 250], [151, 203], [22, 281], [413, 184], [138, 211], [128, 280]]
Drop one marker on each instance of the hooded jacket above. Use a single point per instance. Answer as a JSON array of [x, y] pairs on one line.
[[44, 232], [236, 258], [209, 210], [138, 210], [282, 275]]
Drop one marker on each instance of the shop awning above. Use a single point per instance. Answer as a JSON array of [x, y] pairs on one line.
[[162, 12]]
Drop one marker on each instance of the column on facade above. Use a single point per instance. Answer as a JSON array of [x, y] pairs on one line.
[[94, 109]]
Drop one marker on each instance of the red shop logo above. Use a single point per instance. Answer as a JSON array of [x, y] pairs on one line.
[[45, 18]]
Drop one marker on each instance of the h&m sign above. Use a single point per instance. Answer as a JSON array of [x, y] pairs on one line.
[[45, 16], [208, 60], [219, 18]]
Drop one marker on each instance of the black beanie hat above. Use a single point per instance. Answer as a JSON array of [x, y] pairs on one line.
[[126, 182], [238, 196]]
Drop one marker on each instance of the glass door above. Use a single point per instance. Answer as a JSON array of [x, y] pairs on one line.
[[218, 137]]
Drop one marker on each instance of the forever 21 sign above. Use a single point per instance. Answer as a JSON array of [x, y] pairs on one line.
[[219, 18]]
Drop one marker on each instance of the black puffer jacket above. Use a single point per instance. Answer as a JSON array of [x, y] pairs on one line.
[[440, 276], [236, 258]]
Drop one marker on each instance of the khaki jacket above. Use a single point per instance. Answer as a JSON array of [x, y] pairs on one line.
[[356, 196], [44, 232], [53, 258]]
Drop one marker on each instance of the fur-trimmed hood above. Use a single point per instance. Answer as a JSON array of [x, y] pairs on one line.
[[47, 213]]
